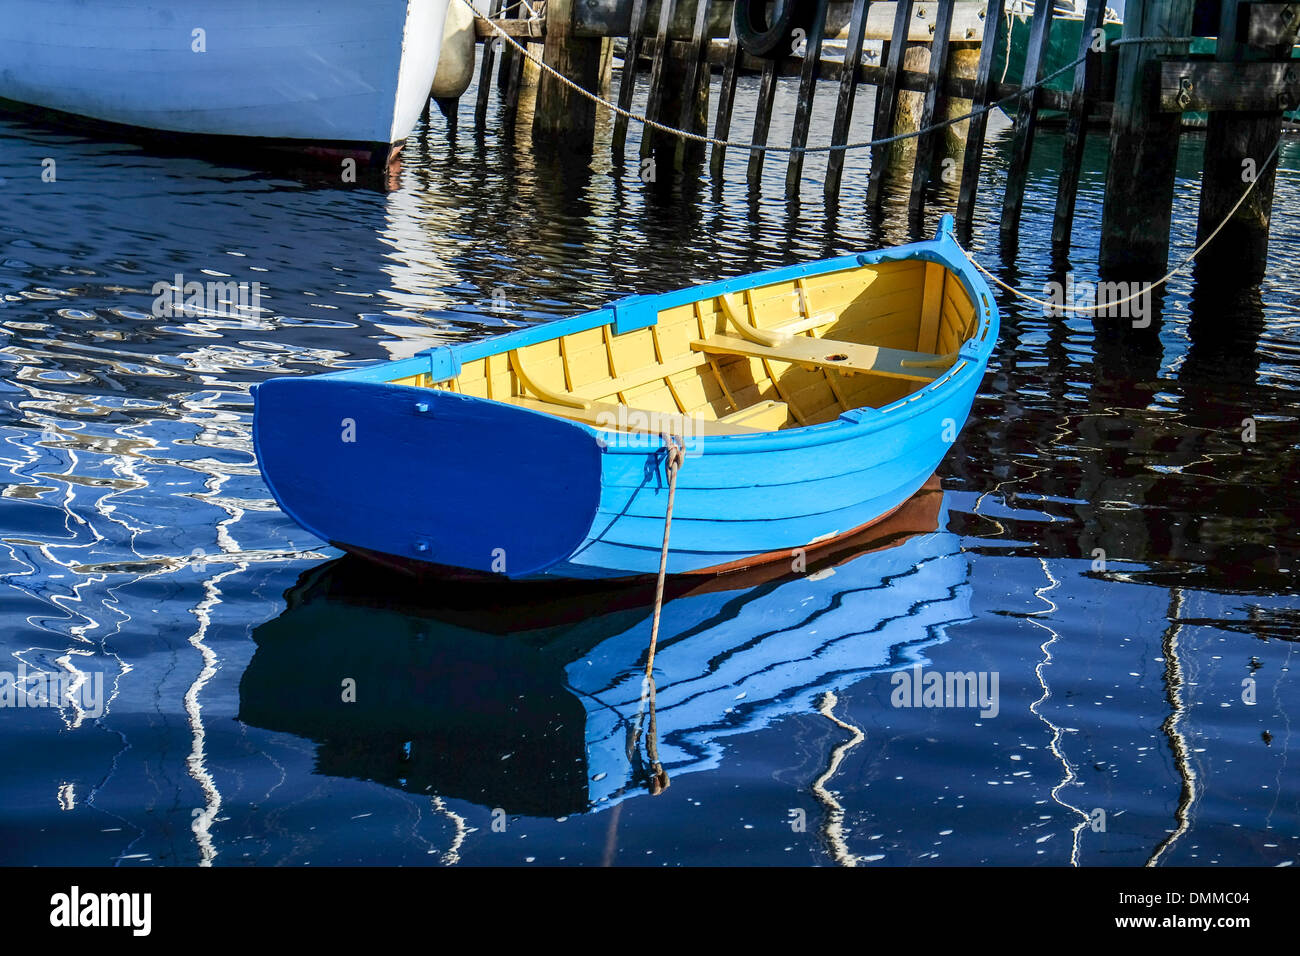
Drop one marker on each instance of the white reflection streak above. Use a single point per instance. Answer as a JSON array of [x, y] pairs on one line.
[[1054, 746], [833, 827], [1177, 742], [72, 688], [205, 815], [452, 856], [1278, 788]]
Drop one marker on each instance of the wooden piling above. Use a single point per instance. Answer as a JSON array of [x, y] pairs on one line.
[[907, 116], [490, 47], [726, 99], [1026, 121], [970, 167], [762, 120], [563, 115], [512, 69], [666, 10], [925, 144], [1236, 147], [808, 73], [887, 101], [690, 104], [1085, 83], [627, 83], [1143, 148], [848, 91], [963, 60], [925, 80], [606, 66]]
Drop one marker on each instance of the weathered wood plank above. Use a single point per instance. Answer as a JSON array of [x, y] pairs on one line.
[[887, 103], [925, 144], [960, 87], [1271, 24], [1085, 75], [1204, 87], [511, 72], [803, 107], [515, 28], [696, 61], [848, 92], [613, 18], [1026, 122], [955, 87]]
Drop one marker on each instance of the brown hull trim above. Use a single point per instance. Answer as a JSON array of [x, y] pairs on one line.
[[918, 515]]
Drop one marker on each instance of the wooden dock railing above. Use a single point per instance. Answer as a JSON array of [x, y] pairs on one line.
[[934, 86]]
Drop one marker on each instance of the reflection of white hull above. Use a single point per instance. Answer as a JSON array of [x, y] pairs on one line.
[[316, 71]]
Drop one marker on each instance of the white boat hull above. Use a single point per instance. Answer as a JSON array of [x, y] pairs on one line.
[[309, 71]]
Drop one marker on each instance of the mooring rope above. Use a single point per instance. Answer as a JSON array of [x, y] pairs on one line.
[[676, 454], [824, 148], [1006, 57], [1146, 290], [658, 781]]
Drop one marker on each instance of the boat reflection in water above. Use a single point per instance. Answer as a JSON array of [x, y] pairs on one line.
[[531, 696]]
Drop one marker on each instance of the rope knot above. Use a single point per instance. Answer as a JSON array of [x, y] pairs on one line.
[[675, 453]]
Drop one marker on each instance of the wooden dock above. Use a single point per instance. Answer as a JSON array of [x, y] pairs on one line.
[[934, 67]]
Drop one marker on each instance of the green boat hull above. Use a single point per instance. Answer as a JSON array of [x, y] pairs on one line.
[[1063, 48]]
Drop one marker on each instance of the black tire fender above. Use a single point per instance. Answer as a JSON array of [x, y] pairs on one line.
[[775, 39]]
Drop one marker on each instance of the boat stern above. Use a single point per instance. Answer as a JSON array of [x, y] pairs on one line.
[[427, 475]]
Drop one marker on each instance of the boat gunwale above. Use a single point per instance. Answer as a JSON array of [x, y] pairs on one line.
[[443, 362]]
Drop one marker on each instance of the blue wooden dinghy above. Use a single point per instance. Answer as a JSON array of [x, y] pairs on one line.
[[811, 400]]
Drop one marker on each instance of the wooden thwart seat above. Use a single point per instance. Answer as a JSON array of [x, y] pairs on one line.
[[774, 336], [829, 353]]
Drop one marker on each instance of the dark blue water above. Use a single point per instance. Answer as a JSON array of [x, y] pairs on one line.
[[1106, 545]]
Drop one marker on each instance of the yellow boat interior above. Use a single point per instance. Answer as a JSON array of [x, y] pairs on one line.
[[776, 356]]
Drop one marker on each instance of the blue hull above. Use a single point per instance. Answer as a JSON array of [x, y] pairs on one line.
[[426, 475]]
